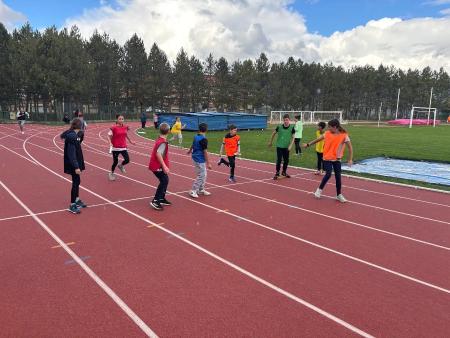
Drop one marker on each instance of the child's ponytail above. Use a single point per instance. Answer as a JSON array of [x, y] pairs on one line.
[[337, 124]]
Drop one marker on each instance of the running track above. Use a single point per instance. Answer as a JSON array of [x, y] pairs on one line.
[[257, 259]]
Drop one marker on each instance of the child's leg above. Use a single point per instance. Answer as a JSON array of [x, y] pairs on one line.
[[126, 157], [328, 166], [285, 159], [232, 163], [279, 157], [298, 150], [75, 188], [200, 171], [319, 161], [337, 175], [162, 187], [115, 160], [180, 139]]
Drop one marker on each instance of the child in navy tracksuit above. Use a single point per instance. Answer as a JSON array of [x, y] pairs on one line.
[[74, 162]]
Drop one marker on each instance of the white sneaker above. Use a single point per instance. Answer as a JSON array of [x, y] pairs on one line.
[[122, 168], [111, 176], [318, 193], [341, 198], [204, 192], [23, 132], [193, 194]]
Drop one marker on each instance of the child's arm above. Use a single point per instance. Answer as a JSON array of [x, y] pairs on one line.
[[272, 137], [239, 148], [221, 150], [72, 155], [131, 141], [350, 153], [190, 150], [160, 159], [205, 152], [306, 145], [292, 142]]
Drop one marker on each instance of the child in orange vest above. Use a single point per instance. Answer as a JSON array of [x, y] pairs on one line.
[[232, 145], [335, 140]]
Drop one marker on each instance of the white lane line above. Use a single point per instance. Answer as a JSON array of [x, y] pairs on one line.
[[26, 158], [65, 210], [219, 258], [125, 308], [355, 178], [229, 187], [294, 237]]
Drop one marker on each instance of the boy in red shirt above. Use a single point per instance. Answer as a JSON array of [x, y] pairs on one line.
[[159, 165], [118, 136], [232, 145]]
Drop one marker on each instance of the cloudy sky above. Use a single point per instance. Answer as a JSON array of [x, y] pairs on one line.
[[405, 33]]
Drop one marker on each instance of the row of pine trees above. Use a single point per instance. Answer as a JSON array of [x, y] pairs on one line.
[[42, 70]]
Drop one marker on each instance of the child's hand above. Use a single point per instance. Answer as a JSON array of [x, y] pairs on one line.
[[166, 170], [78, 171], [289, 148], [304, 145], [270, 144], [209, 166], [237, 153]]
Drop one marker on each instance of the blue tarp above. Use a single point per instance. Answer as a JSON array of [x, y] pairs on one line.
[[216, 121], [431, 172]]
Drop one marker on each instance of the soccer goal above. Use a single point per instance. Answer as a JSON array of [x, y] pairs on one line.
[[422, 116], [307, 116]]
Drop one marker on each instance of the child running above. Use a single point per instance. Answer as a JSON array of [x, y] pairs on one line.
[[285, 140], [176, 131], [199, 150], [159, 165], [21, 117], [231, 143], [298, 127], [335, 140], [319, 147], [118, 136], [74, 163]]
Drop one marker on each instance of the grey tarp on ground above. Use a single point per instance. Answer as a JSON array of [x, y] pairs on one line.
[[430, 172]]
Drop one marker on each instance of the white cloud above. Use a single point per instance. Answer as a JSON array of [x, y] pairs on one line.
[[240, 29], [445, 12], [414, 43], [10, 18]]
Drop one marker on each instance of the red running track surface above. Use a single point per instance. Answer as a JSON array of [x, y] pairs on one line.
[[256, 258]]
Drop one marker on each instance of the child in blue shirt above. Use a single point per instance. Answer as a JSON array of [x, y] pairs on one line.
[[199, 151]]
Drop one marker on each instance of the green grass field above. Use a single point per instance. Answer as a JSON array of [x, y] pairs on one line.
[[417, 143]]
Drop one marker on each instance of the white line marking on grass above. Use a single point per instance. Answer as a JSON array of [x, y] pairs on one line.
[[217, 257], [125, 308]]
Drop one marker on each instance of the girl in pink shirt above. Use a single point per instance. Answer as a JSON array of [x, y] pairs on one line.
[[118, 136]]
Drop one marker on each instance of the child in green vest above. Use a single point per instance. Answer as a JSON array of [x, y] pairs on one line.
[[285, 140], [298, 127]]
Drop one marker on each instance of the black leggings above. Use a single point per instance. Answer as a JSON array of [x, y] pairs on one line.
[[162, 187], [126, 158], [329, 166], [298, 149], [319, 161], [282, 154], [231, 163], [75, 188]]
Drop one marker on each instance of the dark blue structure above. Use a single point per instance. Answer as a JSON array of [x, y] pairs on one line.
[[216, 121]]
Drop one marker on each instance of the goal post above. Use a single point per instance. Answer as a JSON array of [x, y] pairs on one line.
[[307, 116], [422, 114]]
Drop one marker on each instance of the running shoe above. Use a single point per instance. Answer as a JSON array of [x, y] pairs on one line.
[[74, 209]]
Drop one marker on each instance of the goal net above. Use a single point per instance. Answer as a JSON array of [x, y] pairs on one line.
[[422, 116], [307, 116]]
